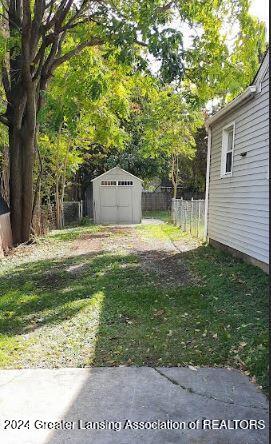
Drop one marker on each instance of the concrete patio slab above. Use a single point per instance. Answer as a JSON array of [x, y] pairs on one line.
[[178, 402]]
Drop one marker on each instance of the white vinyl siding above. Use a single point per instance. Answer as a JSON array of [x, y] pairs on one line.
[[238, 213]]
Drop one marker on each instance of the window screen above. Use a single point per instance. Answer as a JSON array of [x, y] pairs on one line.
[[108, 183], [125, 183]]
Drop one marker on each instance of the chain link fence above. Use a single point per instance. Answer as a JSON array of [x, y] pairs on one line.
[[189, 216], [72, 213], [44, 219]]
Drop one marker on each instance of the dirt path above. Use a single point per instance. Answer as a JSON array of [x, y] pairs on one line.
[[160, 255]]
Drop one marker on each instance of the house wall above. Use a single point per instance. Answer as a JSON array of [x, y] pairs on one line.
[[5, 233], [135, 195], [238, 205]]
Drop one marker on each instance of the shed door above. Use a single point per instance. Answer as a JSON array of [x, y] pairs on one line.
[[108, 202], [125, 204], [116, 200]]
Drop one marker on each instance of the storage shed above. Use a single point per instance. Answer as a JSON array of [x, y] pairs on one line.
[[117, 198]]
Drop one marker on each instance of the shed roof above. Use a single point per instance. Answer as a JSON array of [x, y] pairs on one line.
[[249, 92], [116, 169]]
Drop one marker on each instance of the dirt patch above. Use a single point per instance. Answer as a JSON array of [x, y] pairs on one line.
[[52, 279], [186, 244], [86, 244], [77, 269], [160, 256], [169, 267]]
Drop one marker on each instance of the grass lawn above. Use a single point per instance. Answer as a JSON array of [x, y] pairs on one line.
[[102, 308], [162, 215]]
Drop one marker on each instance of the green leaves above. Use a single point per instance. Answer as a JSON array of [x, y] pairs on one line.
[[169, 124]]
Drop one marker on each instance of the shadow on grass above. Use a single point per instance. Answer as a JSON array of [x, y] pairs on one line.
[[221, 320]]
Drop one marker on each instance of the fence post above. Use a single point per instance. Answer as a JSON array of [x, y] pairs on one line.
[[181, 213], [178, 213], [191, 214], [80, 210], [199, 214], [185, 215], [173, 211], [63, 217]]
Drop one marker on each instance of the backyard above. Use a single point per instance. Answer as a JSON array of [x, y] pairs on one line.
[[146, 295]]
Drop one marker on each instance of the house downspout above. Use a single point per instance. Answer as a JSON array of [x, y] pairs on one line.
[[207, 182]]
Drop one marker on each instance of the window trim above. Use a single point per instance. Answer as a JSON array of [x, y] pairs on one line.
[[224, 149]]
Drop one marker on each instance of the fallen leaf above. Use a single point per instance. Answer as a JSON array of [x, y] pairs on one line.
[[158, 312], [192, 368]]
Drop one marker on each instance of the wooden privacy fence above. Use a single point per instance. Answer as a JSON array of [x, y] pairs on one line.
[[156, 201], [189, 216]]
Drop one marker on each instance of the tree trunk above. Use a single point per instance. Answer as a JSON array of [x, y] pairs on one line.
[[59, 207], [36, 31], [21, 152]]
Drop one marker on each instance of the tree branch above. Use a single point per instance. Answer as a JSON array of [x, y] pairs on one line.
[[165, 8], [60, 15], [39, 10], [4, 120], [94, 42]]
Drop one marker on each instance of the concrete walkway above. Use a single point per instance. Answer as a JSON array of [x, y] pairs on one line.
[[177, 397]]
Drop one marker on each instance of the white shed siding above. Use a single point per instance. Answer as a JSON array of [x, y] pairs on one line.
[[238, 205], [123, 203]]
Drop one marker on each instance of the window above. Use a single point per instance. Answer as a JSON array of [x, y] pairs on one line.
[[108, 183], [121, 183], [125, 183], [227, 150]]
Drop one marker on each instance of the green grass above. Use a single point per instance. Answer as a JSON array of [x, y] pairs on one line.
[[161, 231], [70, 234], [162, 215], [165, 231], [105, 309]]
